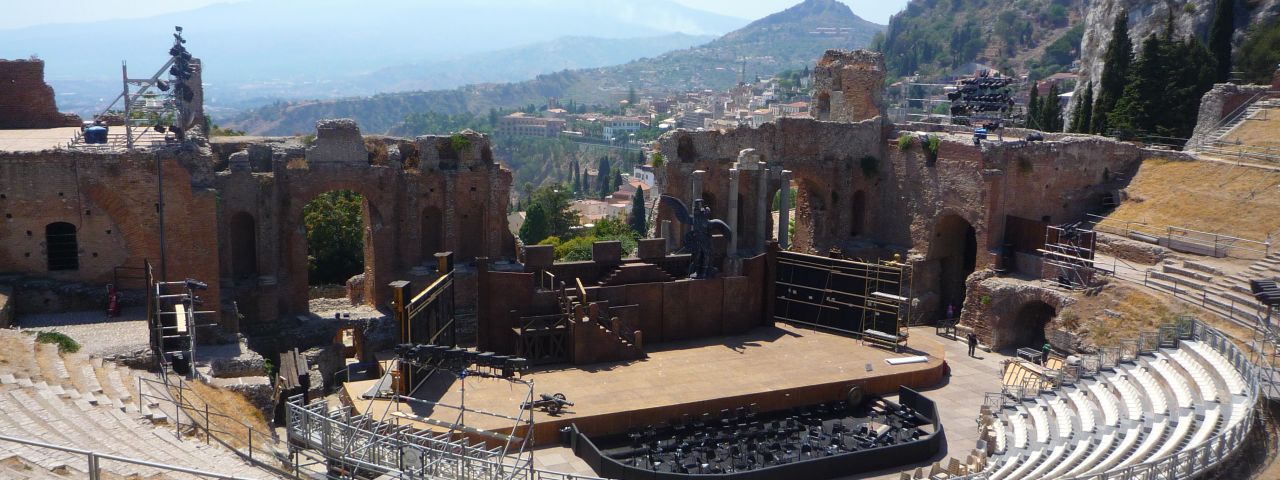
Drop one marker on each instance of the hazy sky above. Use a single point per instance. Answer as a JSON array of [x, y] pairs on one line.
[[22, 13]]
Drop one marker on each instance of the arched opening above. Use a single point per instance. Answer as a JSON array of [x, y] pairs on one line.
[[824, 105], [774, 215], [432, 233], [955, 247], [1027, 327], [471, 243], [335, 222], [858, 216], [61, 248], [244, 246]]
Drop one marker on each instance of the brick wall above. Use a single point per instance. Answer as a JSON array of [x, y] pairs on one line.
[[25, 100]]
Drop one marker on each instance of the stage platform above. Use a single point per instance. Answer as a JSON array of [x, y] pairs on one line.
[[773, 367]]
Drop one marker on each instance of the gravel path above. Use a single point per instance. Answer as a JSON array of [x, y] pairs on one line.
[[98, 335]]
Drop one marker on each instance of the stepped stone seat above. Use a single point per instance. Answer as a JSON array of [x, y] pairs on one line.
[[1208, 425], [1175, 381], [1049, 461], [1019, 424], [1154, 392], [1180, 432], [1129, 395], [1007, 467], [1204, 382], [1040, 420], [1132, 433], [1108, 402], [1098, 452], [1235, 382], [1025, 466], [1078, 451], [1082, 407], [1001, 438], [1063, 416], [1153, 438]]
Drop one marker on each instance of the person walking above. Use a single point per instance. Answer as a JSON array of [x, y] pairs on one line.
[[1044, 358], [973, 343]]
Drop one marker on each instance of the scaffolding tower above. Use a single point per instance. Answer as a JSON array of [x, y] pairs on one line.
[[173, 319], [1069, 249]]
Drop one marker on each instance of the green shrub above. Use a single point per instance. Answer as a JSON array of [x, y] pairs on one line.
[[658, 160], [459, 143], [65, 344], [931, 146], [904, 141]]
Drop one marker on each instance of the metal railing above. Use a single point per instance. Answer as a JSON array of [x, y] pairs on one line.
[[1197, 294], [1196, 459], [256, 447], [1213, 134], [1186, 239], [93, 460]]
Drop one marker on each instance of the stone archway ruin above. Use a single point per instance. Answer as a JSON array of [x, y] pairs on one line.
[[954, 247], [244, 246], [1026, 327]]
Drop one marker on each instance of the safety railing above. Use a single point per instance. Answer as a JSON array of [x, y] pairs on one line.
[[1243, 152], [1226, 306], [1197, 459], [1226, 120], [93, 460], [255, 446], [1185, 239]]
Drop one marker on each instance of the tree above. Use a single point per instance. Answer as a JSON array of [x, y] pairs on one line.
[[535, 227], [1051, 111], [1260, 52], [335, 239], [1115, 73], [602, 177], [1033, 106], [577, 184], [637, 219], [631, 96], [1084, 110], [1137, 107], [1220, 38]]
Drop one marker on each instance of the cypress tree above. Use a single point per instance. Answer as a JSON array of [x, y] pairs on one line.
[[637, 219], [1033, 106], [1115, 73], [1143, 100], [1084, 110], [602, 177], [535, 227], [1051, 112], [1220, 38]]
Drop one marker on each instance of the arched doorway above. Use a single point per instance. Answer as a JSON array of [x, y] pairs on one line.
[[858, 213], [62, 250], [955, 248], [244, 246], [432, 233], [811, 208], [1027, 327], [471, 243], [335, 223], [824, 106]]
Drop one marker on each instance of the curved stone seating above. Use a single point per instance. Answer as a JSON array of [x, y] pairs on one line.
[[1176, 383], [1055, 455], [1154, 392], [1204, 383], [1096, 455], [1040, 420], [1153, 438], [1082, 406], [1208, 425], [1129, 396], [1132, 433], [1024, 466], [1222, 366], [1110, 405], [1062, 415], [1079, 449], [1019, 423], [1179, 435]]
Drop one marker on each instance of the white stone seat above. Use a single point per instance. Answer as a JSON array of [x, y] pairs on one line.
[[1207, 426], [1062, 415], [1053, 459], [1083, 409], [1079, 449], [1110, 406], [1129, 394], [1096, 455], [1175, 381], [1025, 466], [1180, 432], [1002, 439], [1235, 382], [1040, 420], [1204, 383], [1009, 464], [1149, 444], [1154, 392], [1131, 436], [1019, 424]]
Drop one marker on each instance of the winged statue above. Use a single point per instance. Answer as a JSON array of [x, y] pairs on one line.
[[697, 241]]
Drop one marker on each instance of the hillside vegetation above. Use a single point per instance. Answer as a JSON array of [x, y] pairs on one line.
[[936, 37], [789, 39]]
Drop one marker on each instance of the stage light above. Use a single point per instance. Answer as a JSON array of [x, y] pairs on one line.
[[196, 284]]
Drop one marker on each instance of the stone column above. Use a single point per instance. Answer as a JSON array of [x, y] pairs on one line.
[[695, 188], [732, 249], [667, 235], [762, 207], [784, 209]]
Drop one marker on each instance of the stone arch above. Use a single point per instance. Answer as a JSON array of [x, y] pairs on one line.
[[432, 233], [1026, 327], [685, 149], [244, 246], [62, 248], [823, 108], [954, 247], [857, 213], [377, 237], [471, 227]]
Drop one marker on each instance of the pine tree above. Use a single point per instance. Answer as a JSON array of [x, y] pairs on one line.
[[1144, 97], [1084, 109], [1220, 38], [535, 227], [602, 177], [1115, 73], [1033, 106], [637, 219], [1051, 111]]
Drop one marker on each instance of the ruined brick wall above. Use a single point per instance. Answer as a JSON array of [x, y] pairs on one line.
[[909, 202], [422, 195], [111, 201], [848, 86], [25, 100]]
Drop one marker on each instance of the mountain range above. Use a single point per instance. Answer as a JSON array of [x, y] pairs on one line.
[[793, 38]]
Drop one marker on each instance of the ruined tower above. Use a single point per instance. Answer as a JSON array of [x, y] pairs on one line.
[[847, 86]]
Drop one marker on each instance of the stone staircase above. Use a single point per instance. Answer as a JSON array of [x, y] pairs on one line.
[[1226, 294], [1226, 128], [632, 273], [72, 400]]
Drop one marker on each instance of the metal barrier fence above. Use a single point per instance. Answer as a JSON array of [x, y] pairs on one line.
[[1185, 239], [1210, 453], [93, 460]]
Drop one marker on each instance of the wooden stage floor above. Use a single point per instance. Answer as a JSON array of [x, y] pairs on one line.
[[774, 367]]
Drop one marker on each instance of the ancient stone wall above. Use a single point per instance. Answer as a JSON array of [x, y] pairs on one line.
[[25, 100], [860, 192], [848, 86], [233, 212], [1219, 102]]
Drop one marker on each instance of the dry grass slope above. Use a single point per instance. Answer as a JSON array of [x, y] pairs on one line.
[[1260, 130], [1232, 200]]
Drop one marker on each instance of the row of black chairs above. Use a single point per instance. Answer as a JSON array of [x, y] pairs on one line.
[[1266, 291]]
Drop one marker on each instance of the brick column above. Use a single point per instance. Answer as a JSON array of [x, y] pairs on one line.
[[732, 249], [784, 209], [762, 207]]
